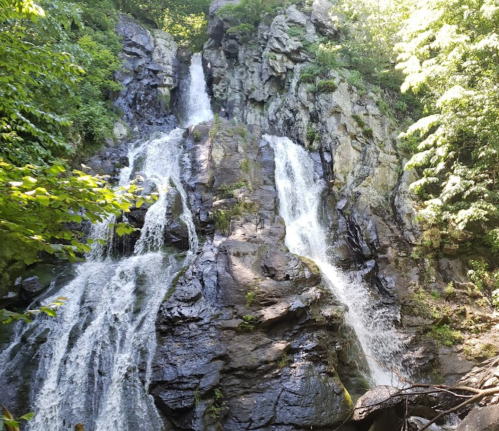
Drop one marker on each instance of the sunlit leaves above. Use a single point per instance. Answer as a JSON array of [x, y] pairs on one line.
[[450, 56], [39, 204]]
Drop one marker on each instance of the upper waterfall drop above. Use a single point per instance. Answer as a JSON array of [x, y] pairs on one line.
[[198, 108], [299, 191]]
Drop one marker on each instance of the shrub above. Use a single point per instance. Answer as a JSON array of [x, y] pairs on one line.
[[368, 132], [222, 221], [307, 78], [248, 324], [311, 134], [449, 291], [313, 69], [295, 31], [445, 335], [196, 135], [355, 80], [358, 119], [495, 298], [327, 86]]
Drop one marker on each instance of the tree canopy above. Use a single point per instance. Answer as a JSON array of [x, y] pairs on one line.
[[450, 56], [47, 100]]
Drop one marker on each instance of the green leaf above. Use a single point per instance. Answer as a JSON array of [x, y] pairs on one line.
[[121, 230], [28, 416], [10, 422], [48, 311], [43, 200]]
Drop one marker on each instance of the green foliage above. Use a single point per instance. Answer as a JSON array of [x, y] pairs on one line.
[[327, 56], [197, 397], [29, 67], [449, 291], [196, 135], [222, 221], [445, 335], [38, 204], [295, 31], [359, 120], [327, 86], [248, 323], [495, 298], [55, 79], [10, 423], [188, 30], [368, 31], [7, 316], [215, 410], [243, 31], [480, 350], [311, 134], [384, 107], [283, 361], [185, 20], [478, 274], [314, 70], [368, 132], [307, 78], [355, 79], [481, 276], [449, 56], [251, 295], [247, 14], [226, 191]]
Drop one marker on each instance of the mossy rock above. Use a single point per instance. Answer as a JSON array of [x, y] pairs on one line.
[[311, 265]]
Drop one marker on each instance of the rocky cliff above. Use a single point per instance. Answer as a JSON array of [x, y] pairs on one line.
[[249, 336], [250, 339], [264, 80]]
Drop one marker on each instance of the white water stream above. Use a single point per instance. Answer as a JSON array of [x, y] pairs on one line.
[[299, 190], [95, 365], [198, 103]]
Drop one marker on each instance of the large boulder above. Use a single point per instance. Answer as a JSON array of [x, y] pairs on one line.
[[481, 419]]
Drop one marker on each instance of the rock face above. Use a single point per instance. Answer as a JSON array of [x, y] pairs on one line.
[[148, 77], [369, 207], [244, 343], [355, 142], [481, 419]]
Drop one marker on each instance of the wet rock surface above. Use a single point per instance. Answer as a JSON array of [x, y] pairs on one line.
[[369, 207], [148, 76], [244, 343]]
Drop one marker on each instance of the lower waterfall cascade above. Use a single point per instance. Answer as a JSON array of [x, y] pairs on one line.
[[96, 360], [300, 195]]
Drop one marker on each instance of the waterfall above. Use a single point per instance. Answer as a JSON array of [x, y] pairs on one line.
[[197, 102], [299, 190], [94, 359]]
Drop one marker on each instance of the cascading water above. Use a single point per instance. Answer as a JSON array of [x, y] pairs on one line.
[[299, 190], [95, 359], [198, 103]]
